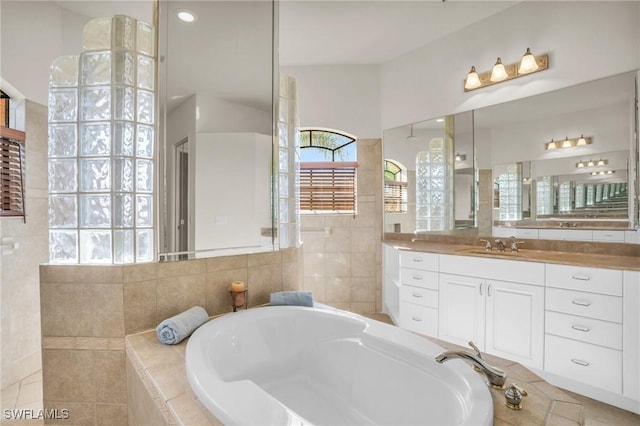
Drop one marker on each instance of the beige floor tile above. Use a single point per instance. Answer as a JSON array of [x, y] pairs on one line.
[[597, 413], [30, 393]]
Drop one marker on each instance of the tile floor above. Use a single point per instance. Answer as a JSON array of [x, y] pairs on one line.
[[27, 396]]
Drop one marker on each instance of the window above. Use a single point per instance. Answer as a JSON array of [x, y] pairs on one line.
[[327, 172], [12, 157], [395, 188]]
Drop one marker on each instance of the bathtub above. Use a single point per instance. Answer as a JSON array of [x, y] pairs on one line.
[[291, 365]]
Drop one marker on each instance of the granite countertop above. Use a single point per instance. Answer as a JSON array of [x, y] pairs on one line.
[[609, 261], [162, 370]]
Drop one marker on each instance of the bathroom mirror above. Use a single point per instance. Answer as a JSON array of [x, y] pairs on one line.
[[536, 187], [440, 203], [216, 106]]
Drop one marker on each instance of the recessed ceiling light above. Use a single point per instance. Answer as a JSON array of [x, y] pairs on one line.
[[186, 15]]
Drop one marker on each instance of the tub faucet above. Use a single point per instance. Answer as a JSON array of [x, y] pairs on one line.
[[495, 376]]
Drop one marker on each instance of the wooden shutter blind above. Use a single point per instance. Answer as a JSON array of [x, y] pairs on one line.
[[328, 186], [395, 197], [12, 172]]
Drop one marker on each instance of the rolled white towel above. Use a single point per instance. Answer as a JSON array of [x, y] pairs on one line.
[[175, 329], [297, 298]]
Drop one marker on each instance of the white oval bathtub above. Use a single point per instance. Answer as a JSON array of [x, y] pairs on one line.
[[294, 365]]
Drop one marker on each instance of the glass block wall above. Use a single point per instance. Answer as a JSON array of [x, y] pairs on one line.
[[434, 186], [544, 195], [510, 193], [564, 197], [101, 146], [288, 164]]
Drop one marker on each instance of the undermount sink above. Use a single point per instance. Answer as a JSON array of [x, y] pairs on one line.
[[494, 253]]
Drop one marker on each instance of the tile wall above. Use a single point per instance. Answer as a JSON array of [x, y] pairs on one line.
[[342, 265], [87, 310]]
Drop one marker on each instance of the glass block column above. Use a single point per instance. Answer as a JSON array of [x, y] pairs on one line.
[[434, 186], [510, 193], [288, 164], [101, 146], [544, 195]]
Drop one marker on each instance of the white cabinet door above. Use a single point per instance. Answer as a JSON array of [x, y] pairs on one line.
[[515, 322], [461, 309]]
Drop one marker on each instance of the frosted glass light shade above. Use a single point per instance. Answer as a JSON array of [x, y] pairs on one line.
[[498, 73], [527, 63], [473, 80]]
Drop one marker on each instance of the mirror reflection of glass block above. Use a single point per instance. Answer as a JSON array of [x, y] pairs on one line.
[[95, 68], [123, 174], [63, 105], [95, 139], [95, 104], [124, 32], [437, 183], [144, 245], [146, 72], [123, 246], [123, 210], [283, 160], [63, 211], [284, 236], [63, 246], [123, 138], [64, 71], [95, 211], [145, 107], [96, 34], [145, 38], [63, 140], [123, 107], [95, 175], [95, 246], [123, 68], [144, 174], [144, 141], [283, 211], [436, 144], [283, 110], [283, 88], [283, 185], [144, 211], [63, 176], [283, 135]]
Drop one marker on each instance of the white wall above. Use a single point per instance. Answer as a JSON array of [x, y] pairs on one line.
[[584, 40], [340, 97], [215, 115], [232, 189]]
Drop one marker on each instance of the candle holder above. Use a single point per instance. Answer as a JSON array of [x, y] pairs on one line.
[[239, 299]]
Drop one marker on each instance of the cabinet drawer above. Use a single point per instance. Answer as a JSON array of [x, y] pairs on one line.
[[419, 296], [591, 305], [584, 329], [583, 362], [612, 236], [419, 319], [419, 278], [596, 280], [418, 260]]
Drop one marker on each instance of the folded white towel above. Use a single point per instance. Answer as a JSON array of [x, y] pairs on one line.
[[175, 329], [298, 298]]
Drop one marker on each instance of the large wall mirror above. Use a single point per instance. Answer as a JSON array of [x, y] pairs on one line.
[[216, 106], [429, 176], [563, 159]]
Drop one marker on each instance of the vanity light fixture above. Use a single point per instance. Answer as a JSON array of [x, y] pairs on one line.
[[528, 64], [603, 172], [591, 163], [568, 143], [460, 157], [186, 15]]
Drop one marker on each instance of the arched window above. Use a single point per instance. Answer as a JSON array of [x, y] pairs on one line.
[[327, 172], [395, 187]]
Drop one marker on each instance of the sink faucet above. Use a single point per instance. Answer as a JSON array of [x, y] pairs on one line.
[[499, 245], [495, 376], [487, 244], [514, 244]]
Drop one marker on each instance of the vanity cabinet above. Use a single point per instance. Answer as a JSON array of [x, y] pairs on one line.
[[584, 325], [391, 281], [499, 306], [419, 292]]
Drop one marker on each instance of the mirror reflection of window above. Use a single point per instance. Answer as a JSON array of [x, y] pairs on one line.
[[395, 187]]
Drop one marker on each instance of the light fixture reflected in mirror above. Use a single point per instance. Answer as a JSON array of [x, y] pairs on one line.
[[186, 15], [591, 163], [460, 157], [603, 172], [568, 143], [527, 65]]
